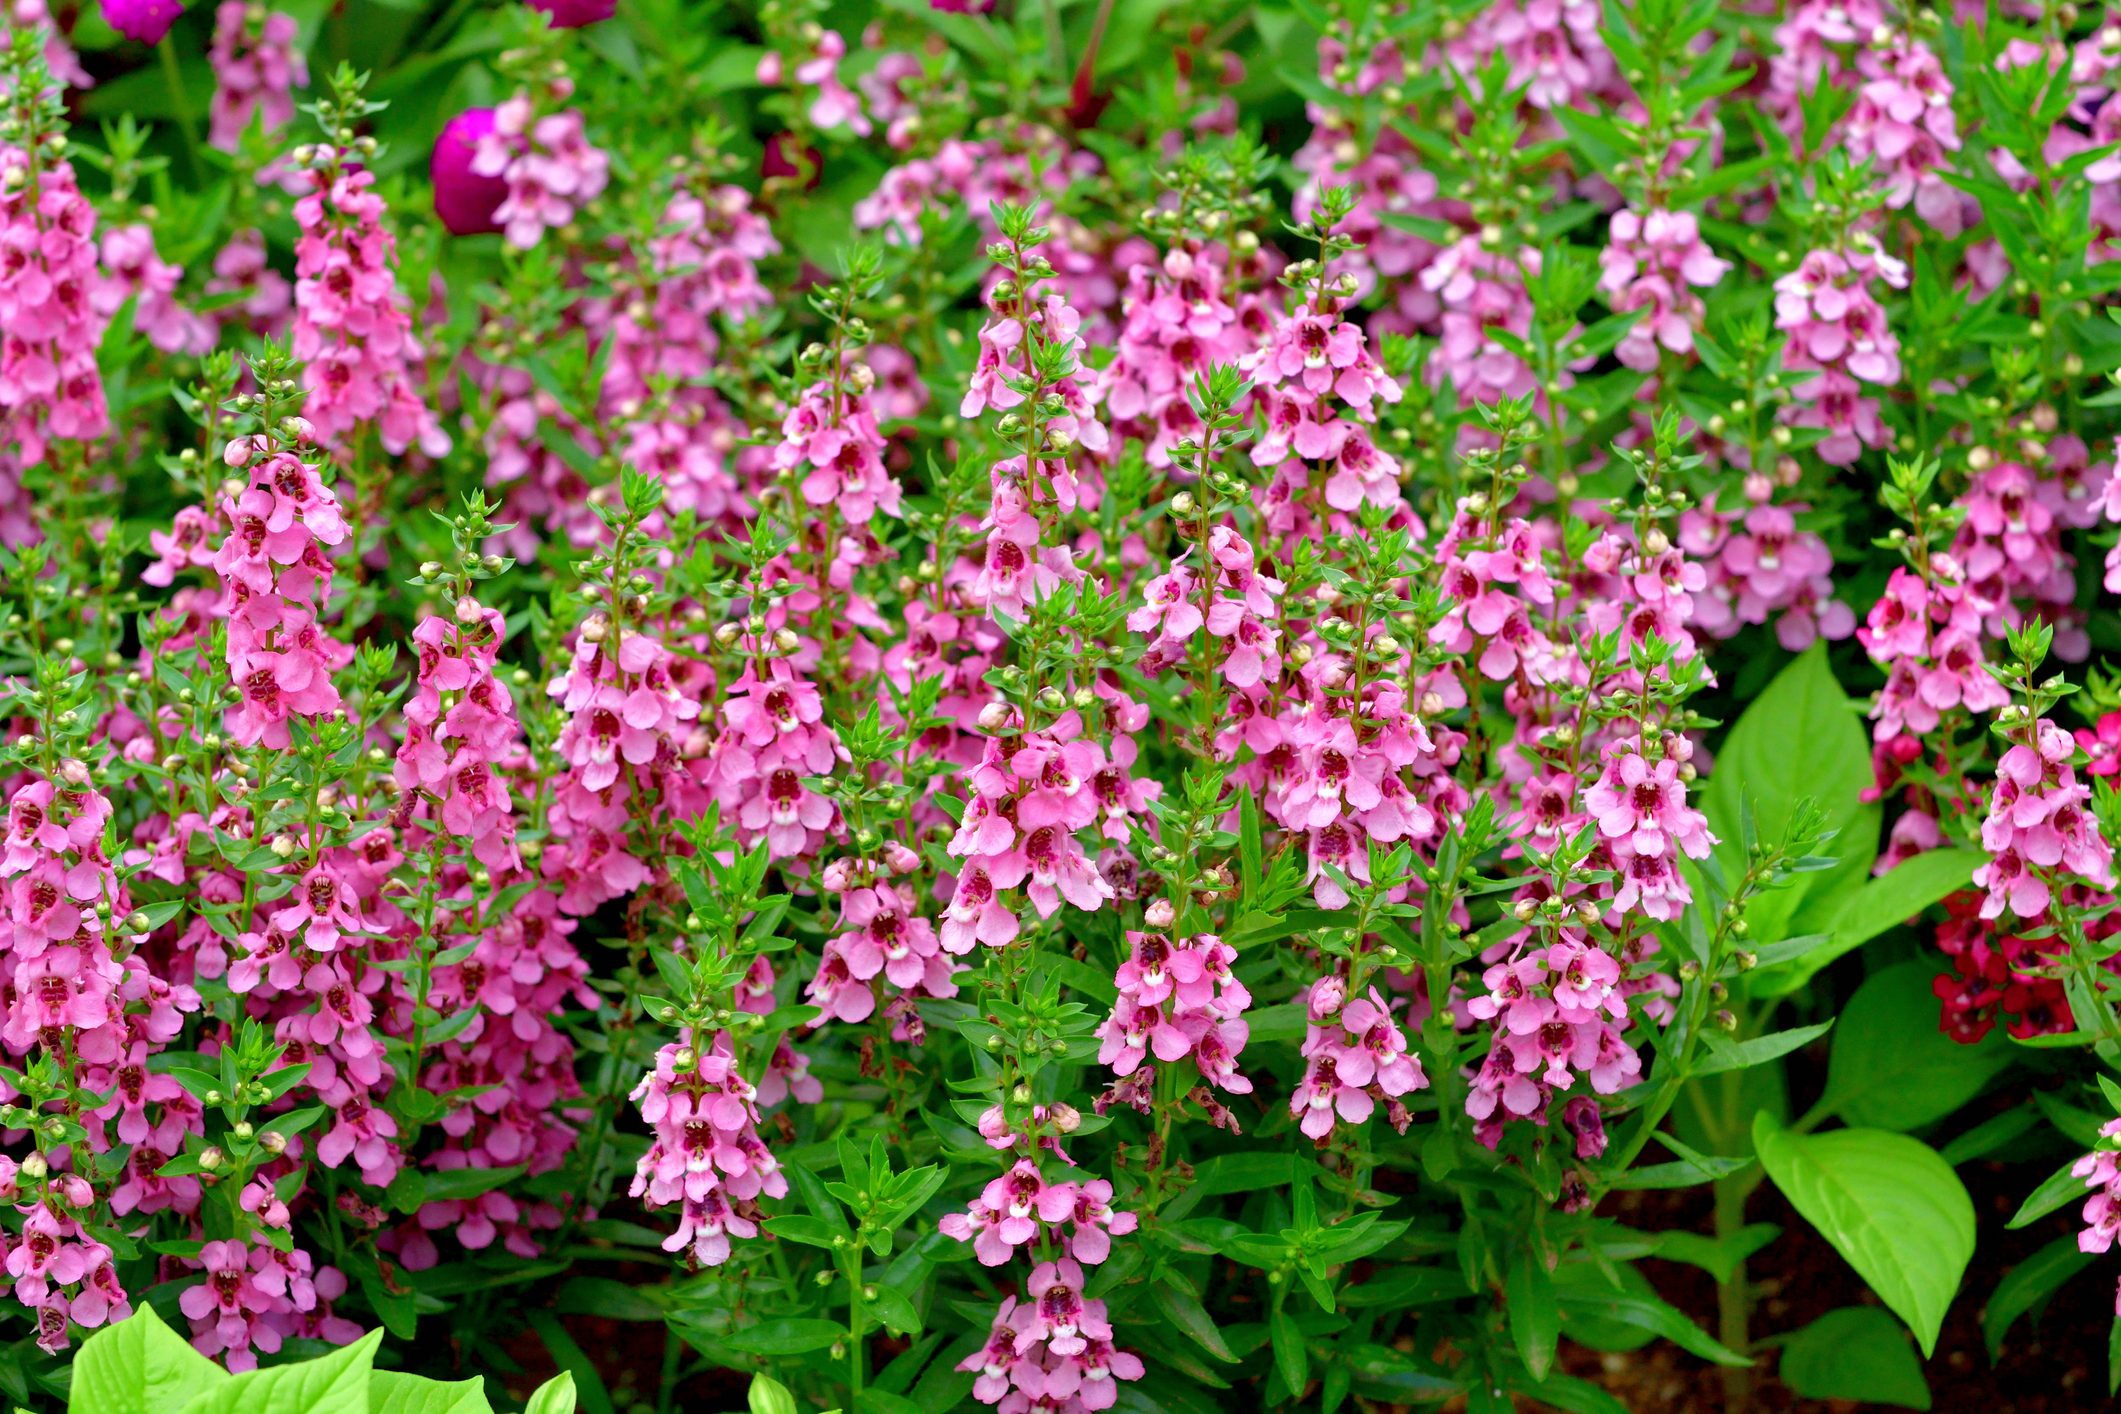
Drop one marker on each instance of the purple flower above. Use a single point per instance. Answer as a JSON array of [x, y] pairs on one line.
[[465, 200]]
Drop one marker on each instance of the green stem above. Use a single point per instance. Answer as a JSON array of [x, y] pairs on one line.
[[180, 104]]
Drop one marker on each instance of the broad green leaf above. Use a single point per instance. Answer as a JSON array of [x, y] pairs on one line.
[[1801, 738], [555, 1396], [1892, 1067], [2027, 1287], [390, 1392], [1890, 1205], [336, 1383], [140, 1366], [1857, 1353]]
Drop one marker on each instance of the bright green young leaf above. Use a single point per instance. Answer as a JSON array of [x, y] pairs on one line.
[[1801, 738], [140, 1366], [1291, 1359], [392, 1393], [1857, 1353], [1889, 1205], [1891, 1066], [336, 1383], [555, 1396], [768, 1395]]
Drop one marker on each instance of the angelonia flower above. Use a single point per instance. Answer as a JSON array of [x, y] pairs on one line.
[[1479, 291], [628, 723], [547, 164], [830, 438], [706, 1158], [1837, 330], [256, 70], [1761, 568], [461, 733], [883, 941], [1926, 631], [773, 740], [2101, 1172], [135, 272], [1355, 1056], [1654, 261], [2039, 824], [50, 386], [1178, 1000], [1321, 387], [353, 326], [1903, 122], [276, 569]]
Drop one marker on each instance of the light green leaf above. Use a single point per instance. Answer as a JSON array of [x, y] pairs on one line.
[[1721, 1054], [768, 1395], [392, 1393], [140, 1366], [1890, 1205], [336, 1383], [1857, 1353], [1892, 1067], [555, 1396], [1801, 738]]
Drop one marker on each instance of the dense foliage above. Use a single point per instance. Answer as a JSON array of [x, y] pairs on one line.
[[1109, 705]]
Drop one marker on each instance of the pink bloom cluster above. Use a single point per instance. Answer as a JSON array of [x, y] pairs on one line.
[[1926, 632], [882, 934], [831, 436], [461, 732], [773, 739], [50, 386], [276, 572], [1761, 566], [1051, 1351], [256, 69], [1234, 603], [353, 329], [1837, 330], [549, 166], [1177, 999], [255, 1298], [625, 744], [1177, 323], [706, 1158], [2039, 824], [1018, 1207], [1314, 364], [1654, 262], [2101, 1172], [53, 1251], [1558, 1014], [1354, 1056]]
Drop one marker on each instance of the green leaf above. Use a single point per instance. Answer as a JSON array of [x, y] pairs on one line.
[[1864, 912], [390, 1392], [555, 1396], [1291, 1359], [1723, 1054], [1583, 1295], [1857, 1353], [768, 1395], [574, 1361], [2027, 1287], [336, 1383], [789, 1335], [1890, 1205], [1178, 1305], [140, 1366], [1535, 1319], [2062, 1187], [1760, 763], [1892, 1067]]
